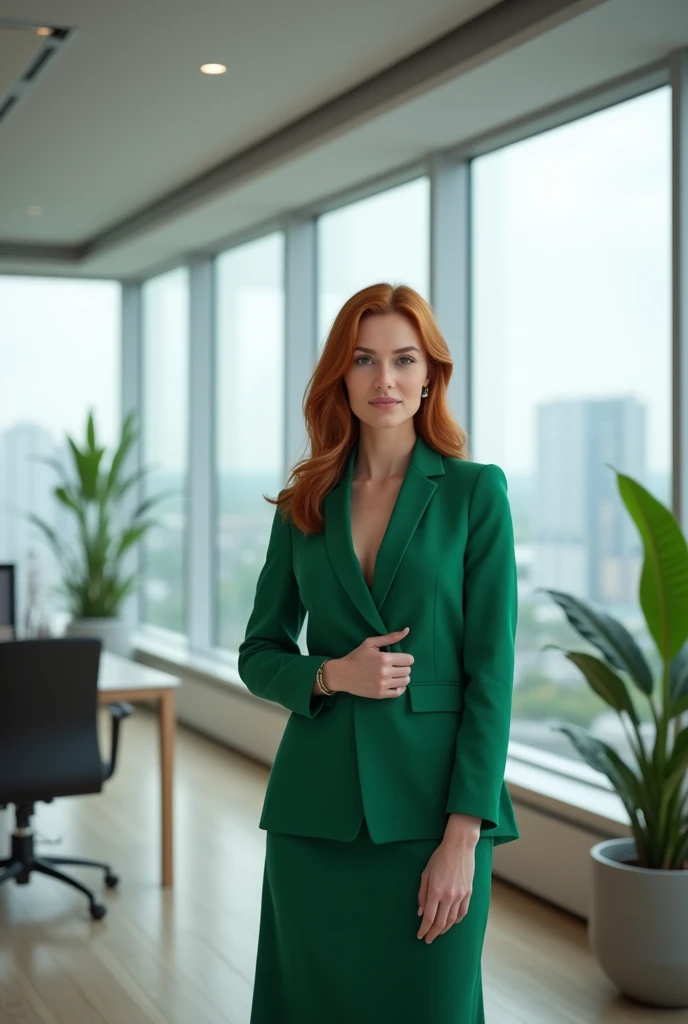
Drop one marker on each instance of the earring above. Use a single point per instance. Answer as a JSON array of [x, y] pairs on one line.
[[424, 392]]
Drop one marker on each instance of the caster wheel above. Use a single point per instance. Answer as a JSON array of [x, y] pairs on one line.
[[98, 911], [111, 881]]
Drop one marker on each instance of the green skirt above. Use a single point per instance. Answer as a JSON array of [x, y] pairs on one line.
[[337, 941]]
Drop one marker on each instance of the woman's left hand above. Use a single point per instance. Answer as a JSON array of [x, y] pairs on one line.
[[445, 888]]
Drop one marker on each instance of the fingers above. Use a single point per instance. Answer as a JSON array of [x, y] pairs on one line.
[[393, 691], [463, 909], [422, 892], [453, 915], [439, 915], [390, 638], [429, 912], [433, 924], [440, 921]]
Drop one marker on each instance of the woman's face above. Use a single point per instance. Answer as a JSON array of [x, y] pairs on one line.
[[389, 361]]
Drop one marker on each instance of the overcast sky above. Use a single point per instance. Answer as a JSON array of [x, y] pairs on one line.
[[59, 353]]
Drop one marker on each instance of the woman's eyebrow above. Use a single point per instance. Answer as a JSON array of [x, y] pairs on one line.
[[406, 348]]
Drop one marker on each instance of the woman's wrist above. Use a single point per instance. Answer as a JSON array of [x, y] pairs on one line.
[[330, 674], [462, 829]]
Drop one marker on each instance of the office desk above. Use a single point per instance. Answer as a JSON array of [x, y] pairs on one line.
[[121, 679]]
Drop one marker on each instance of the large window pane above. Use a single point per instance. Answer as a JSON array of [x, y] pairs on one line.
[[164, 421], [250, 415], [59, 358], [383, 238], [572, 374]]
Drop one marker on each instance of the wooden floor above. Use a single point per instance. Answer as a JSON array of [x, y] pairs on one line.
[[186, 956]]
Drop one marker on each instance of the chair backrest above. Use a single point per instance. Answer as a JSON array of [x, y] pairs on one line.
[[49, 718], [7, 603]]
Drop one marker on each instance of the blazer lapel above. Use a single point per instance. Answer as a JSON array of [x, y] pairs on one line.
[[414, 494]]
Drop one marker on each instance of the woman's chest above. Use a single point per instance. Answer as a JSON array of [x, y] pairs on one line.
[[372, 505], [407, 561]]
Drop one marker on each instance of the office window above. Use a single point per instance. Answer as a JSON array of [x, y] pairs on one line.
[[164, 431], [385, 237], [572, 372], [59, 357], [250, 422]]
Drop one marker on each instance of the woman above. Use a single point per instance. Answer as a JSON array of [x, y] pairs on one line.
[[387, 792]]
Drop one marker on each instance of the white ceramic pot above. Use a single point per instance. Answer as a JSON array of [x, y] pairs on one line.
[[114, 633], [638, 925]]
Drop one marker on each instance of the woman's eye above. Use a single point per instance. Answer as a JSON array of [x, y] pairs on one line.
[[410, 359]]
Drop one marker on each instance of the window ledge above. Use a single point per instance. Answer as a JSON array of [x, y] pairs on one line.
[[559, 787], [217, 669]]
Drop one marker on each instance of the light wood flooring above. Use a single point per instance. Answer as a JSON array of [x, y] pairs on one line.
[[186, 955]]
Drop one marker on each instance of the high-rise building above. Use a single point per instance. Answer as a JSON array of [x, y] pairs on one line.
[[585, 542]]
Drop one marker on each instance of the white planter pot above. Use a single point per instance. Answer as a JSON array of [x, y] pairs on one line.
[[114, 633], [638, 925]]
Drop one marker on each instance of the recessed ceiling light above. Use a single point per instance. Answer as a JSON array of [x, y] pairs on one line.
[[34, 211], [44, 31], [213, 69]]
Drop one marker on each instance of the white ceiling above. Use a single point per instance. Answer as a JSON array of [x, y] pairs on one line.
[[122, 116]]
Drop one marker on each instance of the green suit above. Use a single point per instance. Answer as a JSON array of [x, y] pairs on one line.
[[445, 568]]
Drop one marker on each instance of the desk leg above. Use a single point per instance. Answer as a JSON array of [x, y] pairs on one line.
[[166, 722]]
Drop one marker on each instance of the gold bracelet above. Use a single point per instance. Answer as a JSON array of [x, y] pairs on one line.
[[320, 683]]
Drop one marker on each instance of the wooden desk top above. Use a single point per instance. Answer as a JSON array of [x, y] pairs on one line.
[[118, 674]]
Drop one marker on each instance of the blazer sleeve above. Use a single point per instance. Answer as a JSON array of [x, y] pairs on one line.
[[490, 602], [270, 662]]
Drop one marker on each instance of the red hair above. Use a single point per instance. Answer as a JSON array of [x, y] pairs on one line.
[[331, 425]]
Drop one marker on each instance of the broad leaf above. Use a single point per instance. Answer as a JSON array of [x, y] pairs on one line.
[[664, 580], [610, 687], [608, 635], [677, 765], [678, 673]]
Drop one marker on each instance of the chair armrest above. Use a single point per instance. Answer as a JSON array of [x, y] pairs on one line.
[[118, 710]]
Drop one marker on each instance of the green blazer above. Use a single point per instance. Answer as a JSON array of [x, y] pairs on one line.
[[446, 568]]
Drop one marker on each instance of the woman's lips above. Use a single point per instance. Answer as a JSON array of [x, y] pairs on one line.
[[386, 403]]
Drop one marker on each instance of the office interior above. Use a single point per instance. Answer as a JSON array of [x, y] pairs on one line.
[[188, 194]]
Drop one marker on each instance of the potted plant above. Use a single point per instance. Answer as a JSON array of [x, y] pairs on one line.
[[638, 922], [94, 580]]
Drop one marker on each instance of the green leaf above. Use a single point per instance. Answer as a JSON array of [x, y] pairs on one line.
[[679, 707], [677, 765], [131, 536], [633, 785], [587, 745], [67, 499], [120, 489], [155, 500], [87, 465], [608, 635], [664, 580], [610, 687], [603, 759], [91, 432], [127, 438], [678, 673]]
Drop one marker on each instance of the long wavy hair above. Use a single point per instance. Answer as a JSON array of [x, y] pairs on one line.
[[333, 428]]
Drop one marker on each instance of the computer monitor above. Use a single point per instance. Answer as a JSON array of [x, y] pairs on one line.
[[7, 610]]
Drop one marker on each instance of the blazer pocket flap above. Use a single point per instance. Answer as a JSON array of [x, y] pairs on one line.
[[436, 696]]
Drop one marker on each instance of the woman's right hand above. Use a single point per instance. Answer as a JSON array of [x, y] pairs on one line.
[[369, 672]]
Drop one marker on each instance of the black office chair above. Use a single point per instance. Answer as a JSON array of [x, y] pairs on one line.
[[7, 603], [49, 743]]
